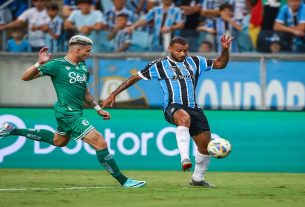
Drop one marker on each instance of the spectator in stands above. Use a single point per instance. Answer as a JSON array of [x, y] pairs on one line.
[[86, 22], [270, 11], [210, 11], [167, 19], [245, 43], [17, 7], [137, 7], [191, 10], [68, 7], [18, 43], [210, 8], [71, 5], [275, 45], [122, 39], [119, 7], [291, 22], [54, 29], [256, 18], [37, 19], [225, 24], [152, 3], [205, 47], [5, 13]]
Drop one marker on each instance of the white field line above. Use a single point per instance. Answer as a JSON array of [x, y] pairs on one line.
[[51, 189]]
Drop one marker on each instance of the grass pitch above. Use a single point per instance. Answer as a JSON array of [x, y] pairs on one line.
[[57, 188]]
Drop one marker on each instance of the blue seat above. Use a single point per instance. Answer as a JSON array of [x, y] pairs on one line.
[[140, 41], [105, 44]]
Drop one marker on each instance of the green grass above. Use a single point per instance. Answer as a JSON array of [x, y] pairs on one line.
[[164, 188]]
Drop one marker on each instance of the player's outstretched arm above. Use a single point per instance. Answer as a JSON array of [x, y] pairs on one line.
[[222, 61], [91, 102], [32, 72], [109, 101]]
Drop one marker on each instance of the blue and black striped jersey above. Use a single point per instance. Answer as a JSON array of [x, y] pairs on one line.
[[177, 79]]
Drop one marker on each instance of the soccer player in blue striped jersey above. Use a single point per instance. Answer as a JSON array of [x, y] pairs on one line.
[[178, 75]]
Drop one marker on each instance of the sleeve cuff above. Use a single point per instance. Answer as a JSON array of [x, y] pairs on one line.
[[140, 74]]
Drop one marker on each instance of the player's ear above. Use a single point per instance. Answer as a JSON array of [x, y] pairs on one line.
[[77, 51]]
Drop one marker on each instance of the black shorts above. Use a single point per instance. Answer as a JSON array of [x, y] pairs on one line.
[[199, 122]]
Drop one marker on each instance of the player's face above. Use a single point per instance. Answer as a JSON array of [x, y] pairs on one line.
[[83, 52], [178, 51]]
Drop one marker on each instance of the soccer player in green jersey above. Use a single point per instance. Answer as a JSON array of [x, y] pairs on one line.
[[69, 76]]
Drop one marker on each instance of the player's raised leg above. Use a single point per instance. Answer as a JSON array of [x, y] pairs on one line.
[[202, 159], [96, 140], [41, 135]]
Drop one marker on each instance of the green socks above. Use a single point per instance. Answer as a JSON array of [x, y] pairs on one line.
[[103, 155], [110, 165], [41, 135]]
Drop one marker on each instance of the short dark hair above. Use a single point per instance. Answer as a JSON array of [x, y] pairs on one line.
[[226, 6], [53, 6], [179, 40], [83, 1], [122, 14]]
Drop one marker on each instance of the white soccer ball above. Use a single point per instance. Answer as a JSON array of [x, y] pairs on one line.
[[219, 148]]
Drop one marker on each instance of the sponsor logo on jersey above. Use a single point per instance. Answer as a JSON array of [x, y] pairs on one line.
[[174, 67], [75, 77], [68, 67], [176, 77]]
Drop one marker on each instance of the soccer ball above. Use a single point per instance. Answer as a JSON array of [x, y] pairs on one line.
[[219, 148]]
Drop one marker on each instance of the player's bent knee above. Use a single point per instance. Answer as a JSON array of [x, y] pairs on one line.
[[97, 142], [101, 144], [184, 121], [182, 118]]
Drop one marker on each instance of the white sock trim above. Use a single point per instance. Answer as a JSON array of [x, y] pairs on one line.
[[183, 127]]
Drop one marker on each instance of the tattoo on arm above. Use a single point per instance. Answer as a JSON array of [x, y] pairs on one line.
[[127, 83], [222, 61], [89, 99]]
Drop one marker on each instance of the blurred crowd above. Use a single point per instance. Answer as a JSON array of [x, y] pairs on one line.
[[270, 26]]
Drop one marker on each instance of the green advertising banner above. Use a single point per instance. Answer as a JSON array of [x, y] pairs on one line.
[[263, 141]]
